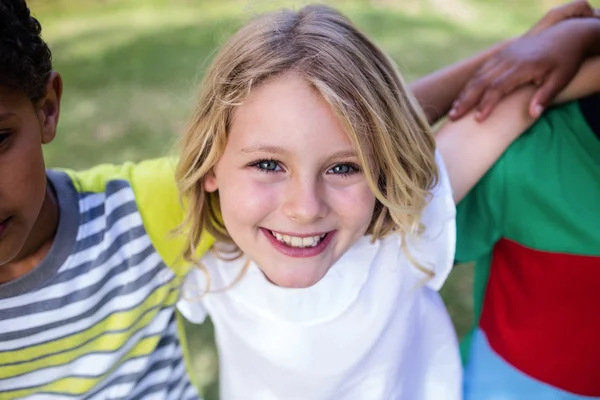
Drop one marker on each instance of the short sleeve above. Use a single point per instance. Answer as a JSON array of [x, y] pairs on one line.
[[434, 248], [157, 198], [190, 302], [478, 225]]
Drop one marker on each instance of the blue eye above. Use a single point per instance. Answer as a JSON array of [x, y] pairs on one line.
[[267, 166], [343, 169]]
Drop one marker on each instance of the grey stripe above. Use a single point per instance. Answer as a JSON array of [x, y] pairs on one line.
[[83, 344], [190, 392], [91, 214], [111, 187], [134, 378], [117, 244], [132, 339], [66, 233], [45, 306], [100, 212], [114, 185], [184, 390], [86, 266], [171, 364], [125, 378], [175, 380], [179, 383], [122, 290]]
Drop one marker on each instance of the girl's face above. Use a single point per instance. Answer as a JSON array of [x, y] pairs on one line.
[[293, 195]]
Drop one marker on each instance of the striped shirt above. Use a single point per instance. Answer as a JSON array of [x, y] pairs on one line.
[[96, 319]]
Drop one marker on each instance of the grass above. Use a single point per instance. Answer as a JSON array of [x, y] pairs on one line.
[[131, 69]]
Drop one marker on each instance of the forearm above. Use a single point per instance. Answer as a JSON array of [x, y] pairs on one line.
[[592, 38], [470, 148], [437, 91], [585, 83]]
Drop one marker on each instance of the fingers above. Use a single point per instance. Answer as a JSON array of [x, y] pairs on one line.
[[474, 90], [546, 94], [574, 9], [501, 87], [486, 90]]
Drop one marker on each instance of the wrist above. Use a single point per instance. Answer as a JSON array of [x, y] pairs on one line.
[[591, 37], [583, 33]]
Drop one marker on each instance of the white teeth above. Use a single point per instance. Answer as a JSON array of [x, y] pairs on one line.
[[294, 241]]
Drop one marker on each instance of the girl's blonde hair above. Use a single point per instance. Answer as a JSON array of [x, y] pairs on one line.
[[362, 86]]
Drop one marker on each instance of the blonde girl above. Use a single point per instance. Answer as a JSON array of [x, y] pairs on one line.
[[313, 168]]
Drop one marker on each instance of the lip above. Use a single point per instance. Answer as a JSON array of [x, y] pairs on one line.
[[301, 235], [299, 252], [4, 226]]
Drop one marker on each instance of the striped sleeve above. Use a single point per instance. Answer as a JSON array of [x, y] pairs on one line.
[[157, 199]]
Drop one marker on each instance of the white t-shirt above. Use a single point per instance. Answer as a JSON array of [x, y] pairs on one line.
[[373, 328]]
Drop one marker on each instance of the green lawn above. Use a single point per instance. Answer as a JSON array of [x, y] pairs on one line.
[[131, 67]]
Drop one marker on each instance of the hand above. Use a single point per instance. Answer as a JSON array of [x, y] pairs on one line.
[[533, 58], [574, 9]]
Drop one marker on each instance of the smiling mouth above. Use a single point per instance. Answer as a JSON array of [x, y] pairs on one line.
[[297, 241]]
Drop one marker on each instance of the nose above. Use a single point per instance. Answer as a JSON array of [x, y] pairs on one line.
[[305, 201]]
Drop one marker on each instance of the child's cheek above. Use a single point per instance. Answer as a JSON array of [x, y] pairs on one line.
[[249, 201]]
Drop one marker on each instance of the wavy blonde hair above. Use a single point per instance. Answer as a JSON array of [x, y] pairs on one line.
[[361, 85]]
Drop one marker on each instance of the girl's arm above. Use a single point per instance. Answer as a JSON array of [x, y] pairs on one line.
[[469, 148]]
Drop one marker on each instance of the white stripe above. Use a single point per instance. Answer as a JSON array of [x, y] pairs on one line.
[[114, 305], [162, 376], [98, 224], [133, 367], [180, 374], [121, 226], [117, 199], [90, 254], [91, 201], [190, 393], [89, 365]]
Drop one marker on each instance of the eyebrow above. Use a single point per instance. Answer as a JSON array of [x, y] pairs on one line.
[[343, 154], [6, 116], [259, 148], [280, 150]]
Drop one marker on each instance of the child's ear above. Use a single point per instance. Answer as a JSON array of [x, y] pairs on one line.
[[210, 182], [49, 107]]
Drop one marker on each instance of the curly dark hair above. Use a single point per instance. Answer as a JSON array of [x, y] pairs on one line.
[[25, 59]]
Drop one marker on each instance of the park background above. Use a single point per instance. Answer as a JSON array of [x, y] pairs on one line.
[[131, 70]]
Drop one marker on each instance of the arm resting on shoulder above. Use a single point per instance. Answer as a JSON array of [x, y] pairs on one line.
[[469, 148]]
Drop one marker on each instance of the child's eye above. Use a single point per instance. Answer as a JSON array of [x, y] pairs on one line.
[[267, 166], [344, 169]]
